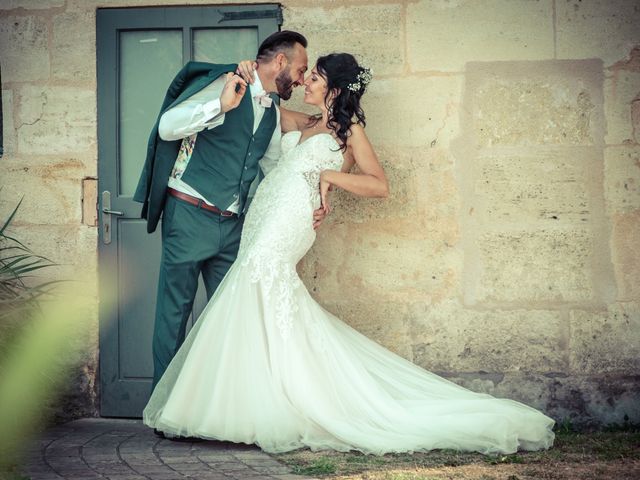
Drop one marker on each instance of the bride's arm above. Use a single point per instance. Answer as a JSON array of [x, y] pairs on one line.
[[292, 120], [370, 181]]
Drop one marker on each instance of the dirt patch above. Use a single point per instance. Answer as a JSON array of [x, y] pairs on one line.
[[584, 456]]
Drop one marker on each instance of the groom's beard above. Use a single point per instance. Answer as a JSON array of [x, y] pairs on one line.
[[284, 84]]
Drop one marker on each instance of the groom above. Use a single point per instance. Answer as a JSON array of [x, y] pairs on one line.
[[214, 140]]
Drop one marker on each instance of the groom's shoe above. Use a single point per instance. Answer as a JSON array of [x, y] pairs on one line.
[[158, 433]]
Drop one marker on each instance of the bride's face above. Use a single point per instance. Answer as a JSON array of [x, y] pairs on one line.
[[315, 89]]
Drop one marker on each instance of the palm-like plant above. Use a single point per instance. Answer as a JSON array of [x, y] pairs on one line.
[[17, 266]]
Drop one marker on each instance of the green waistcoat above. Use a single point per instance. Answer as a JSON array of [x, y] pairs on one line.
[[219, 170], [224, 161]]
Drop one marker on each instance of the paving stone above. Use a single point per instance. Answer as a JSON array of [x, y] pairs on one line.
[[90, 448]]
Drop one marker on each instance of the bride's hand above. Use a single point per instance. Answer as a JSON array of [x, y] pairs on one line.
[[246, 69], [325, 187]]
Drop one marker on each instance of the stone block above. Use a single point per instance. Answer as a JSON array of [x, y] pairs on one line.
[[605, 29], [90, 202], [73, 53], [403, 170], [543, 267], [72, 247], [444, 36], [27, 59], [544, 106], [608, 341], [549, 187], [622, 179], [625, 254], [621, 92], [397, 264], [8, 126], [385, 323], [584, 400], [55, 120], [372, 33], [50, 196], [320, 267], [413, 111], [448, 337], [31, 4]]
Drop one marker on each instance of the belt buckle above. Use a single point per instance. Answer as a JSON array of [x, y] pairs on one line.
[[226, 213]]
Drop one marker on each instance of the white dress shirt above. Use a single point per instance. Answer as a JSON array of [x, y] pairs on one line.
[[202, 110]]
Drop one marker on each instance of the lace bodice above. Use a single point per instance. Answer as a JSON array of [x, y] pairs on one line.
[[278, 229]]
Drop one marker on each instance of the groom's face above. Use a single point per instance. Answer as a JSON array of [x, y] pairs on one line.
[[293, 73]]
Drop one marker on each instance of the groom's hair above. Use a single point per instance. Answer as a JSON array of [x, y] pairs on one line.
[[278, 42]]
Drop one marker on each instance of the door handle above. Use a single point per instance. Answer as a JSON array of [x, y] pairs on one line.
[[106, 216], [112, 212]]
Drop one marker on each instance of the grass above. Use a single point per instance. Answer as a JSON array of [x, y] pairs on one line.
[[595, 454]]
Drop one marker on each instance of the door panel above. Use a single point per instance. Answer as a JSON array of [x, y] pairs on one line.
[[139, 52], [149, 60]]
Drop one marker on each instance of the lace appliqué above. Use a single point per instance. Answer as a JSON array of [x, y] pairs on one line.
[[278, 228]]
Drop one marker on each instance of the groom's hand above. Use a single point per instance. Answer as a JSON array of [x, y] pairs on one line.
[[232, 92]]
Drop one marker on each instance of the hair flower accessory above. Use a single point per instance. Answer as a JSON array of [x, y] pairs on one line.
[[362, 80]]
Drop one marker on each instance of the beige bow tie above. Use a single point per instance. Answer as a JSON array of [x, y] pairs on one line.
[[263, 99]]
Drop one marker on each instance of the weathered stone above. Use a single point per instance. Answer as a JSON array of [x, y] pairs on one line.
[[23, 48], [603, 29], [626, 256], [548, 188], [385, 323], [448, 337], [50, 198], [622, 179], [55, 120], [8, 126], [532, 267], [397, 264], [74, 45], [535, 111], [31, 4], [595, 335], [584, 400], [413, 111], [522, 30], [370, 32], [403, 171], [622, 89], [90, 202], [72, 247]]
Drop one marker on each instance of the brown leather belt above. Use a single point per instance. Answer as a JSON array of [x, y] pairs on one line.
[[199, 203]]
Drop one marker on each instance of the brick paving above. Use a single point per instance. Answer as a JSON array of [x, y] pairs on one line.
[[119, 449]]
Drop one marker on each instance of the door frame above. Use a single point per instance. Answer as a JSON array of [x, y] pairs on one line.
[[109, 22]]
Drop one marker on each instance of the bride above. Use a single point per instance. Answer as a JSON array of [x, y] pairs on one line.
[[266, 364]]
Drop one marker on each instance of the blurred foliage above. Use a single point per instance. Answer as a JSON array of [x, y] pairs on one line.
[[36, 350]]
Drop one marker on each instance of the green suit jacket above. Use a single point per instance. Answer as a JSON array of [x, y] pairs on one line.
[[161, 154]]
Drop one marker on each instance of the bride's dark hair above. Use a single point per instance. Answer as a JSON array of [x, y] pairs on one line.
[[345, 76]]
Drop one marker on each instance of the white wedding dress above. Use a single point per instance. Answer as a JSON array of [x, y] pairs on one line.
[[266, 364]]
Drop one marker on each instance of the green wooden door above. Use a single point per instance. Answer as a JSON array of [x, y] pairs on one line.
[[139, 52]]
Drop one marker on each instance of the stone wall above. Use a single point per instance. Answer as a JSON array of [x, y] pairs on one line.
[[507, 257]]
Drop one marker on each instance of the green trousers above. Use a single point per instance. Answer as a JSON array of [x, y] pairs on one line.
[[194, 241]]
